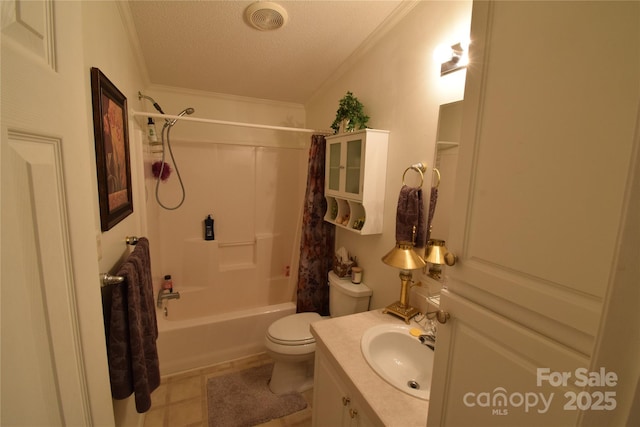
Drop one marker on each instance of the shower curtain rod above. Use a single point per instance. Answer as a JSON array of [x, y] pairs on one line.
[[228, 123]]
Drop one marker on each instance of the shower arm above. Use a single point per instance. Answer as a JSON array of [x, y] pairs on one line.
[[153, 101]]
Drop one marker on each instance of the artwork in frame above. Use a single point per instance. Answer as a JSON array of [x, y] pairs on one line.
[[112, 150]]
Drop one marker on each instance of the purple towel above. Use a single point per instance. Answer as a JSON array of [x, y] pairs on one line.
[[432, 210], [410, 213], [131, 348]]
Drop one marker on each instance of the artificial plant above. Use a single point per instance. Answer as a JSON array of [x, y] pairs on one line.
[[351, 109]]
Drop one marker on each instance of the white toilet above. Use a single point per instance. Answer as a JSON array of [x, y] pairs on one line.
[[290, 343]]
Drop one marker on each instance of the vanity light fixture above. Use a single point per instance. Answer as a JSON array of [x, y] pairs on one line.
[[458, 59], [437, 255], [403, 256]]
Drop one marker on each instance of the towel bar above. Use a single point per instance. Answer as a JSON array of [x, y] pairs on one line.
[[108, 279]]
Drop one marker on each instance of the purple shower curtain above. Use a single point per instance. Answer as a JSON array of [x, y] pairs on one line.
[[317, 237]]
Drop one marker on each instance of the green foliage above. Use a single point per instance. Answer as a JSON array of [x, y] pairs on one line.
[[353, 110]]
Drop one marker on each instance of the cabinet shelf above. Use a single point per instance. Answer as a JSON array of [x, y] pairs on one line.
[[444, 145], [355, 179], [347, 214]]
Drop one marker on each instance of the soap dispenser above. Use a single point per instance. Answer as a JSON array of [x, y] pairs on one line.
[[151, 132], [208, 228]]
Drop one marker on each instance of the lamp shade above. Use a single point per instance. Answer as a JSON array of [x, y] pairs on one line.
[[437, 253], [403, 256]]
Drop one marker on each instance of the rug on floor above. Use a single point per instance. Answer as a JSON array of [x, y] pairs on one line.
[[243, 399]]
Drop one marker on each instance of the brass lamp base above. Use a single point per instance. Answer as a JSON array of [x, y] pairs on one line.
[[405, 313]]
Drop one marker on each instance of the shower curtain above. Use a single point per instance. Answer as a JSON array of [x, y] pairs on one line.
[[317, 237]]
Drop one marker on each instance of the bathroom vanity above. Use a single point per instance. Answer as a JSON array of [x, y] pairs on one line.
[[347, 392]]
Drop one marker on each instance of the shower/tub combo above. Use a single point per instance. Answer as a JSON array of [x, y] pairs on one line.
[[231, 288]]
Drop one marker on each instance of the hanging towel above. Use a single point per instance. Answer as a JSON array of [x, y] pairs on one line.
[[133, 330], [410, 213], [432, 210]]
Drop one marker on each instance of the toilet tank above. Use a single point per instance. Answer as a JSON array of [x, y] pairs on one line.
[[347, 298]]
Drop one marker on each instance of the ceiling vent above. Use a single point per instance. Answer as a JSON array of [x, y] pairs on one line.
[[266, 16]]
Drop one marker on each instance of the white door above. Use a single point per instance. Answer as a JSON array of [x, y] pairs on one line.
[[550, 112], [49, 264]]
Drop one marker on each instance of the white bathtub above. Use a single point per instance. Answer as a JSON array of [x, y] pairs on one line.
[[197, 342]]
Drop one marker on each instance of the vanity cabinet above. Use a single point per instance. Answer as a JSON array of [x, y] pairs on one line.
[[335, 403], [355, 175]]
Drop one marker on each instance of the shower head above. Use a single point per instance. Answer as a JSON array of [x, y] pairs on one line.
[[182, 113]]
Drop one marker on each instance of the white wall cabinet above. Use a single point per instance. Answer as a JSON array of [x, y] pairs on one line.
[[355, 176], [334, 403], [541, 188]]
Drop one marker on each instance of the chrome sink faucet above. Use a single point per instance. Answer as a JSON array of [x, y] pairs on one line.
[[164, 294], [428, 339]]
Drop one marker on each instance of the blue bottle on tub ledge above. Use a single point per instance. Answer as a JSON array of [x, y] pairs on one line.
[[208, 228]]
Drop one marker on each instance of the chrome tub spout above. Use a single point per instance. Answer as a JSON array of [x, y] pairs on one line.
[[164, 294]]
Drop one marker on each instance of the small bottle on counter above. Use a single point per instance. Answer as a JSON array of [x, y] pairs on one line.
[[167, 284], [208, 228]]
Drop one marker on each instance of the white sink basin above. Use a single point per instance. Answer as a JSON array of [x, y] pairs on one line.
[[399, 358]]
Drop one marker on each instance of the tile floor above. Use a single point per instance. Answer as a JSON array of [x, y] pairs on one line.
[[181, 399]]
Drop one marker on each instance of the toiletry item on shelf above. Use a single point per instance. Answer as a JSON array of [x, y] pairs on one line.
[[167, 284], [151, 131], [356, 275], [208, 228]]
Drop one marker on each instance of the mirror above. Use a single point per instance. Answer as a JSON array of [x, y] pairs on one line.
[[446, 161]]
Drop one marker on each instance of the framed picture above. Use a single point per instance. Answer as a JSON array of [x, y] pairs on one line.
[[112, 150]]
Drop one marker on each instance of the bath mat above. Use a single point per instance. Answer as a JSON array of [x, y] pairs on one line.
[[243, 399]]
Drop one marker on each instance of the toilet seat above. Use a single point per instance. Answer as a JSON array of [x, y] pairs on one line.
[[293, 330]]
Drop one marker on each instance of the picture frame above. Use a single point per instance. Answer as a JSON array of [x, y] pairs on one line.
[[110, 128]]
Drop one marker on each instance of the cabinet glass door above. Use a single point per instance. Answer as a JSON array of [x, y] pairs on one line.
[[352, 179], [334, 166]]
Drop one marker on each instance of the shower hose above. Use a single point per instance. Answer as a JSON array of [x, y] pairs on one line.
[[165, 130]]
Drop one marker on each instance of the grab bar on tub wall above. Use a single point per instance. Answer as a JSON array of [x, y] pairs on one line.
[[108, 279]]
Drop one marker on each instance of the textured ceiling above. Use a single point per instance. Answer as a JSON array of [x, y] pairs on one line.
[[208, 46]]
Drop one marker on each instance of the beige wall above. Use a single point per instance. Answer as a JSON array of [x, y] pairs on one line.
[[107, 47], [399, 83]]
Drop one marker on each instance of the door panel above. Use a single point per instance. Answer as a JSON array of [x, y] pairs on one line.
[[39, 349], [333, 177], [43, 138], [542, 170], [492, 366], [353, 178], [29, 24], [543, 165]]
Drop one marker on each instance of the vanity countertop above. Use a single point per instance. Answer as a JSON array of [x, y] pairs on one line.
[[340, 338]]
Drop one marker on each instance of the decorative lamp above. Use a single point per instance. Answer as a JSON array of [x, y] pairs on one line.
[[406, 259], [437, 255]]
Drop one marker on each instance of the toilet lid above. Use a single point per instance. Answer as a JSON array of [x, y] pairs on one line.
[[293, 329]]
